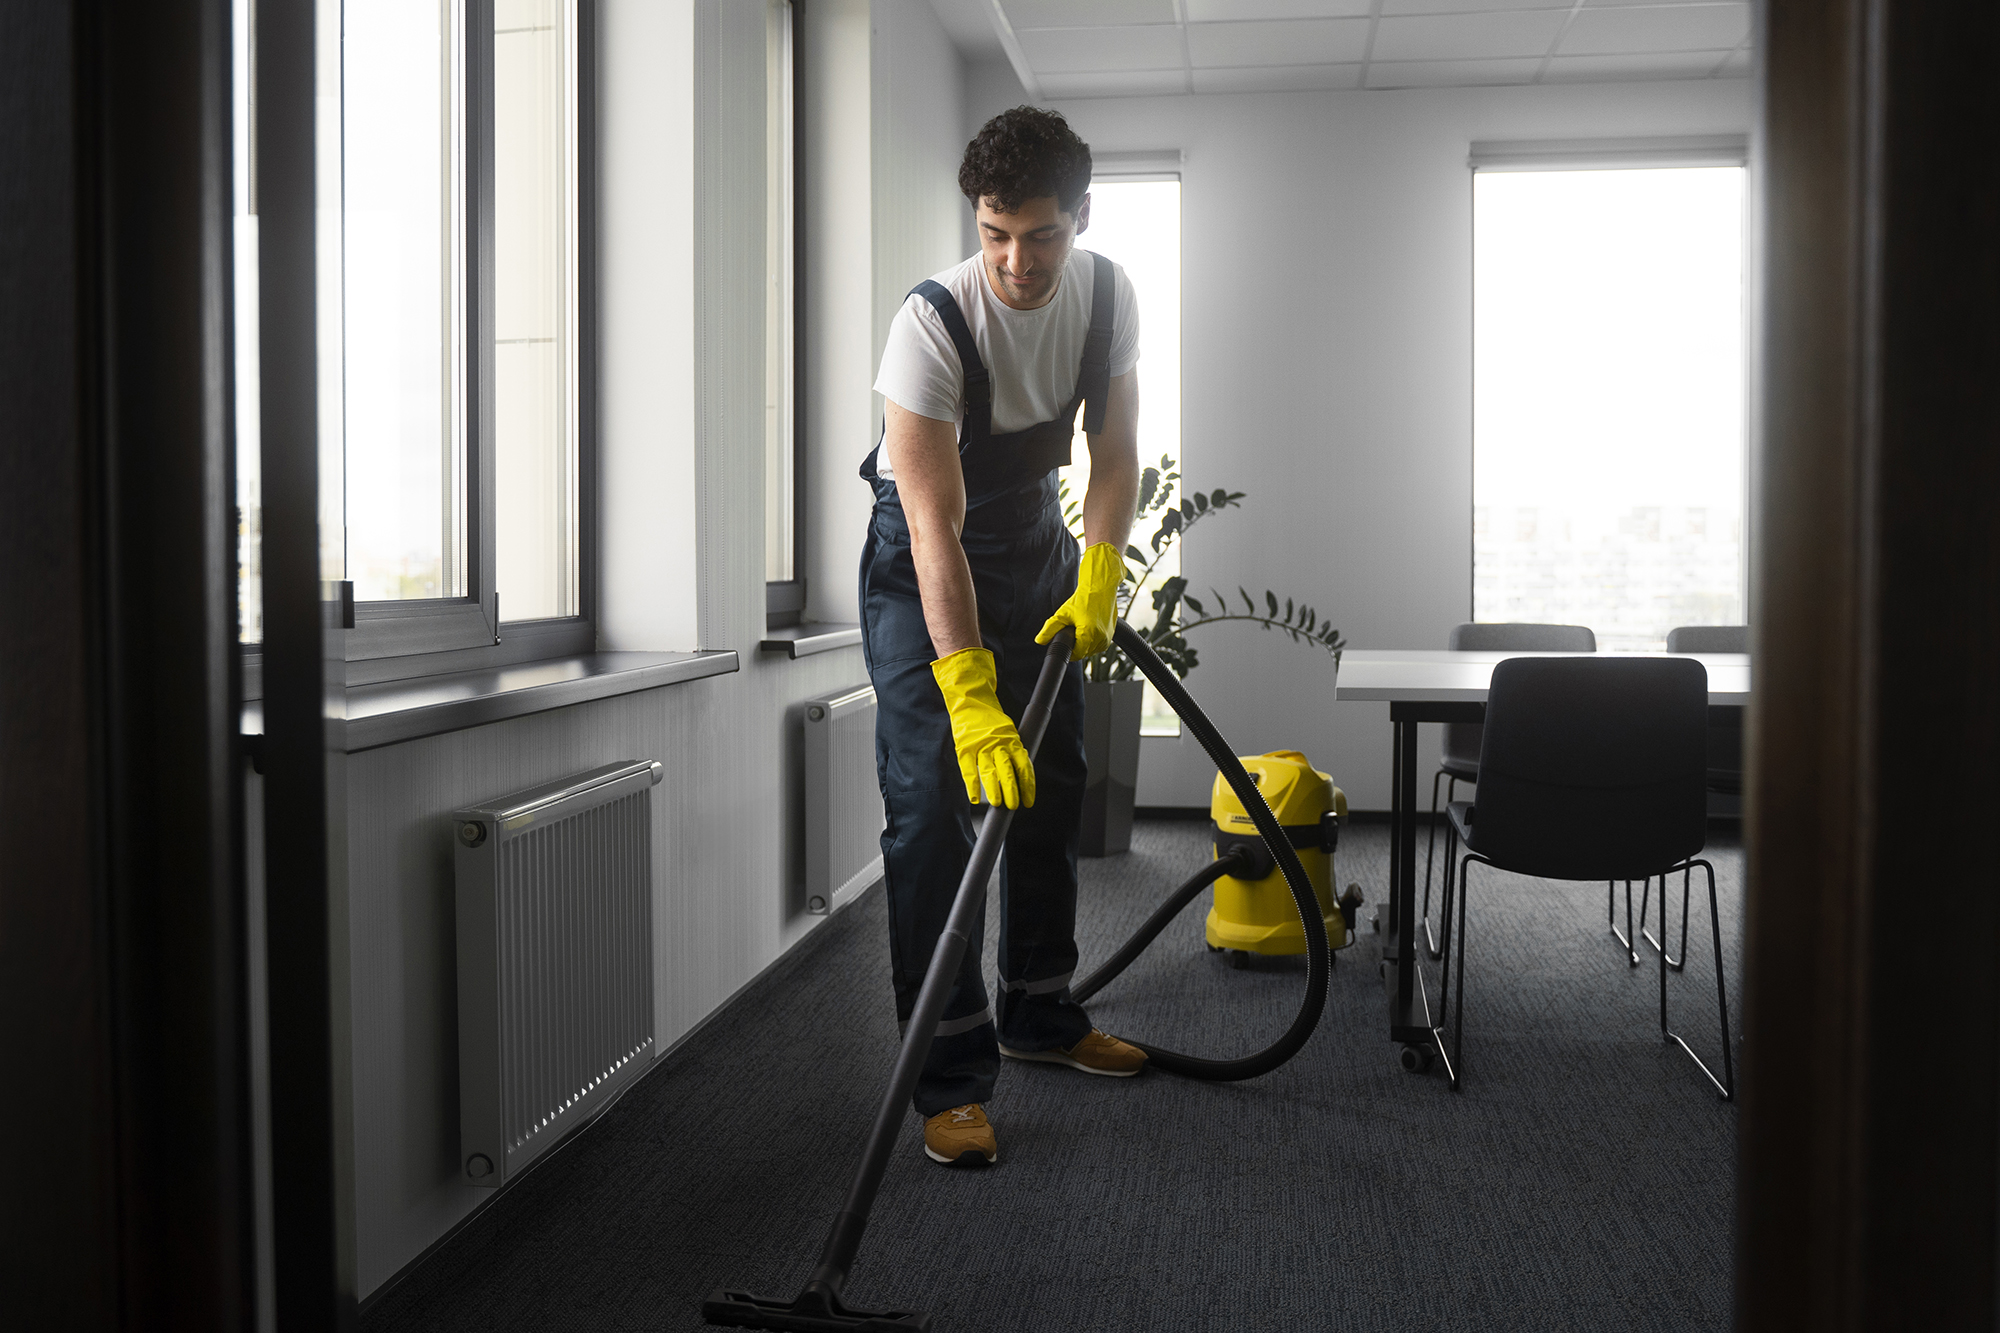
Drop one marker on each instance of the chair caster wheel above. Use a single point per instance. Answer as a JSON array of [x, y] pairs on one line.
[[1417, 1059], [1212, 948], [1239, 958]]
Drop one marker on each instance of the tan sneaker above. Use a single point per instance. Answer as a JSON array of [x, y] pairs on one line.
[[1098, 1053], [961, 1136]]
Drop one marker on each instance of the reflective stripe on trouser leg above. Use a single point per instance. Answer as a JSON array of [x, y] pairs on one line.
[[1042, 987], [950, 1027]]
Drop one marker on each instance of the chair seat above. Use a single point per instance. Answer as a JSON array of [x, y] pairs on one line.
[[1465, 770]]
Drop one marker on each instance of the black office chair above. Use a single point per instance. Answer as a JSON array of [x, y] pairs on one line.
[[1725, 754], [1589, 769], [1458, 761]]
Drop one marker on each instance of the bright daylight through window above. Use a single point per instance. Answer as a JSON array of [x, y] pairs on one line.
[[1608, 419], [402, 265], [535, 308], [1137, 224]]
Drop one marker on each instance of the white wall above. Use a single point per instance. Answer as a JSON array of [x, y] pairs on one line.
[[1327, 366], [645, 336]]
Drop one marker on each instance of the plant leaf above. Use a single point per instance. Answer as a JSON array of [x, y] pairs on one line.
[[1272, 599], [1193, 603], [1220, 498]]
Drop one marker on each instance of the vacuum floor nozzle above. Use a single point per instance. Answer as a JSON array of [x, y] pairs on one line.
[[813, 1312]]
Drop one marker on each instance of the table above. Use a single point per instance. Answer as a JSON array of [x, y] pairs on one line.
[[1423, 686]]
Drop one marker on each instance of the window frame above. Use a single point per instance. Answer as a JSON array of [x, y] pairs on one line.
[[785, 599], [392, 640]]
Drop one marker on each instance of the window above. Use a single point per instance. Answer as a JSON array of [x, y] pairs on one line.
[[784, 582], [1608, 417], [453, 319], [1136, 221], [535, 290]]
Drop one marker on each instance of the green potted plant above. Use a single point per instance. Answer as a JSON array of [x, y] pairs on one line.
[[1114, 691]]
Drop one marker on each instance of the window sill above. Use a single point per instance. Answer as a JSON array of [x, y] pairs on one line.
[[403, 710], [796, 641]]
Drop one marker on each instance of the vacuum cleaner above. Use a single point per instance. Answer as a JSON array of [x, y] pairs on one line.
[[1249, 861]]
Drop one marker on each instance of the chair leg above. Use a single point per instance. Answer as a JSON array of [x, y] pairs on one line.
[[1456, 1065], [1624, 936], [1687, 878], [1430, 940], [1726, 1085], [1444, 921]]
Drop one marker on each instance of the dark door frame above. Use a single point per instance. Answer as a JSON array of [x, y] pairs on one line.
[[1871, 1073], [127, 1198]]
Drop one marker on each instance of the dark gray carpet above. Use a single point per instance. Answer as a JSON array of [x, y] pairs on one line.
[[1583, 1179]]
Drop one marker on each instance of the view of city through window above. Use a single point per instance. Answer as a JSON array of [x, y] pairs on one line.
[[1608, 418], [1137, 224]]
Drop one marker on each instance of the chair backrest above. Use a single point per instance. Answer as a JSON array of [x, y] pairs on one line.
[[1461, 739], [1709, 639], [1593, 768]]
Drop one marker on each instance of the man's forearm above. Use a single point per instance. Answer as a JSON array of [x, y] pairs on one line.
[[944, 583], [1108, 503]]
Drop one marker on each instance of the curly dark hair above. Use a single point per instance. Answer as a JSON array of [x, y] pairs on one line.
[[1026, 153]]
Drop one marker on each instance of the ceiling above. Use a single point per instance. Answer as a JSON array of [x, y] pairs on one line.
[[1136, 48]]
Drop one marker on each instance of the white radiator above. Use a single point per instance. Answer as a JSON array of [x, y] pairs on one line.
[[555, 962], [843, 798]]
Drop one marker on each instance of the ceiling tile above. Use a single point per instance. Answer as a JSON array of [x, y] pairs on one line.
[[1065, 50], [1631, 67], [1085, 13], [1635, 28], [1115, 83], [1218, 11], [1450, 73], [1282, 42], [1467, 36], [1402, 7], [1280, 79]]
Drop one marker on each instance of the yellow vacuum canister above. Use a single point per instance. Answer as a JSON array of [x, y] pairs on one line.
[[1254, 912]]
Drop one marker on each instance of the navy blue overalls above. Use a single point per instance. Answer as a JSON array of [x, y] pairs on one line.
[[1024, 565]]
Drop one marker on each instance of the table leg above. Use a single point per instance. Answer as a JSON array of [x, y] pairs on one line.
[[1406, 875], [1409, 1019]]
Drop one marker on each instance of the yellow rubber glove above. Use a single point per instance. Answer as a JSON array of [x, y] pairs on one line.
[[990, 753], [1093, 607]]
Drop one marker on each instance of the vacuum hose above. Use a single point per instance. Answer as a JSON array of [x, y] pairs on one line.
[[818, 1308], [1314, 1000]]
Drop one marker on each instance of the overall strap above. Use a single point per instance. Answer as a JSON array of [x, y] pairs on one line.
[[978, 384], [1093, 383]]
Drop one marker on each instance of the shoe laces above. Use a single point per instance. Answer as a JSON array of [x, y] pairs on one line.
[[961, 1115]]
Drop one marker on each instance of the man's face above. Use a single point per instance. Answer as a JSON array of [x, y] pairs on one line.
[[1024, 251]]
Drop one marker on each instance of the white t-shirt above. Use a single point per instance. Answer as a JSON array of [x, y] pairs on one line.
[[1033, 356]]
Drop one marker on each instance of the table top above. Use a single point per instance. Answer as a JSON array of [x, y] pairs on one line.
[[1398, 675]]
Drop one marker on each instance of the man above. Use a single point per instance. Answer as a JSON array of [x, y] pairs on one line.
[[967, 568]]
